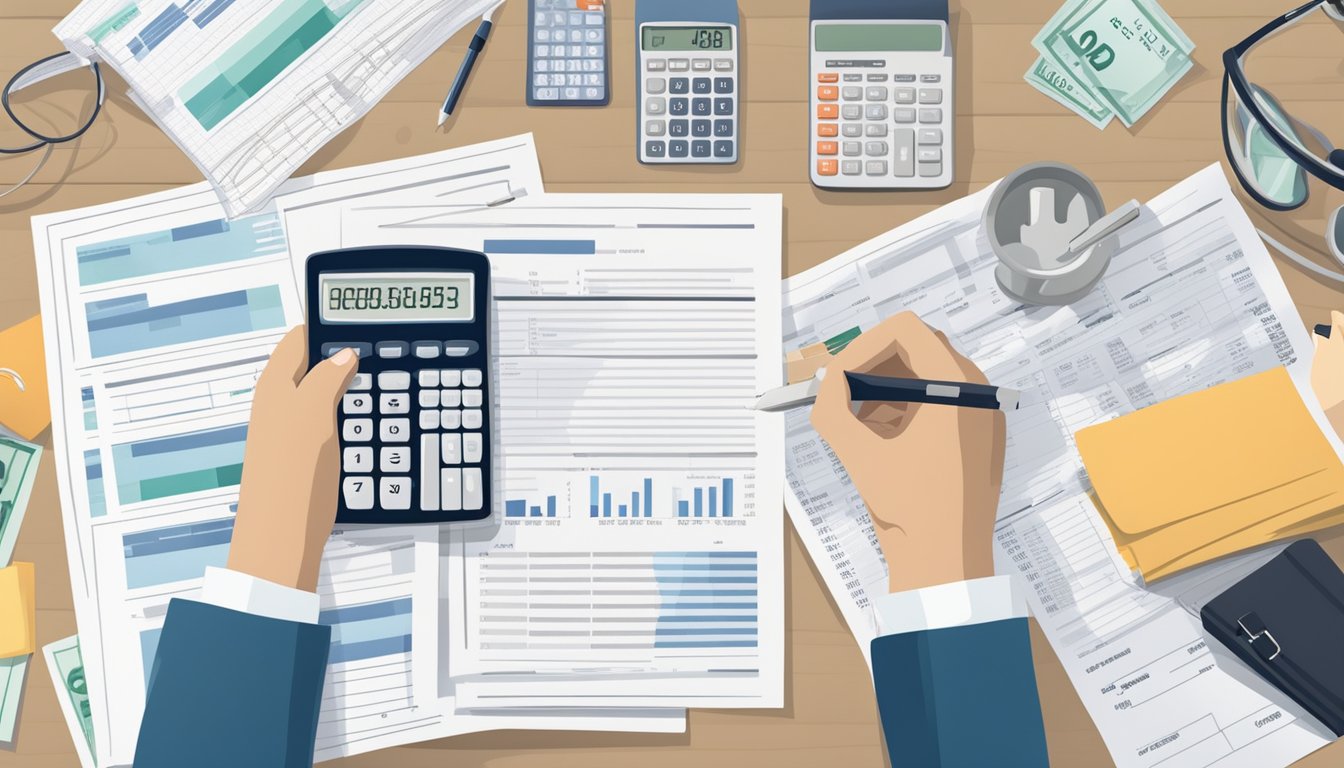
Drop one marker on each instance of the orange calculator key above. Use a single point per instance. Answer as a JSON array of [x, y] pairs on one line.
[[828, 77], [828, 148], [828, 92], [828, 167], [828, 111], [828, 129]]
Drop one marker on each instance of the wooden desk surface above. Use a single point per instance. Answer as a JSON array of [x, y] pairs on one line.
[[829, 715]]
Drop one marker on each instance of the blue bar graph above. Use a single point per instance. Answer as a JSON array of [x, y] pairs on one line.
[[90, 414], [130, 324], [648, 497], [368, 631], [606, 505], [623, 509], [542, 247], [713, 502], [97, 490], [600, 501], [592, 496], [156, 31], [727, 497], [201, 244], [699, 502], [683, 509], [720, 500], [175, 553], [536, 511], [521, 508], [515, 508], [170, 466], [211, 11]]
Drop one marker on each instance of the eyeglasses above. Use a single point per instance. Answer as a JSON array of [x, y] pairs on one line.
[[1271, 152], [39, 71]]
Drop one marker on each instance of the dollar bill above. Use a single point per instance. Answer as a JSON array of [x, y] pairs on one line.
[[18, 475], [13, 672], [1128, 53], [1055, 83], [66, 666]]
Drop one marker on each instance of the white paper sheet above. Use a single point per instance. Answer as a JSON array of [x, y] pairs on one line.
[[250, 89], [630, 336], [1192, 299]]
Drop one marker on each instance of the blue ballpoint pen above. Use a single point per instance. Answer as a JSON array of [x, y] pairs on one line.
[[464, 71]]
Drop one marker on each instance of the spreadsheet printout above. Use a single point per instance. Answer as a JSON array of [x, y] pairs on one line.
[[637, 559], [250, 89], [1192, 299]]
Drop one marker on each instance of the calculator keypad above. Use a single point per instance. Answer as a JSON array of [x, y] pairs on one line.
[[569, 53], [689, 104], [429, 437]]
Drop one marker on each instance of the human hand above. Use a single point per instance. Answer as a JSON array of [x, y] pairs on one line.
[[291, 467], [1327, 372], [929, 474]]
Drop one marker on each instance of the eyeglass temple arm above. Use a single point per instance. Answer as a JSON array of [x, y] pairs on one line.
[[1234, 53]]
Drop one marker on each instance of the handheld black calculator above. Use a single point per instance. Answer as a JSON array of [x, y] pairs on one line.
[[415, 423]]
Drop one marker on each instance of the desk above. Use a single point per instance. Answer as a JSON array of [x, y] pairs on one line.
[[830, 714]]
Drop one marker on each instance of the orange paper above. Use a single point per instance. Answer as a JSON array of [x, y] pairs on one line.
[[18, 610], [25, 411]]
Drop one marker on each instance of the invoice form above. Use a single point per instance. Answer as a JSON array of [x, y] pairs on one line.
[[1192, 299]]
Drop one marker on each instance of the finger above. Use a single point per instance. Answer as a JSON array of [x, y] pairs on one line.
[[288, 362], [1336, 325], [832, 415], [905, 339], [328, 380]]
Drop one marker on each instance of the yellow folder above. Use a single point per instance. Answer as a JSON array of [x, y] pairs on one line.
[[18, 609], [1212, 473], [25, 410]]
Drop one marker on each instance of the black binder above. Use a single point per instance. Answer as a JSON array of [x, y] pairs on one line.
[[1286, 621]]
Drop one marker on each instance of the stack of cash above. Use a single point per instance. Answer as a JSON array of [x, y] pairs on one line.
[[18, 473], [1104, 58]]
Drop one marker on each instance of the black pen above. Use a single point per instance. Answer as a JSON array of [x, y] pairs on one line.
[[474, 49], [1323, 330], [866, 386]]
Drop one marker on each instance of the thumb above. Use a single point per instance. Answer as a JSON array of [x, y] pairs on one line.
[[328, 380]]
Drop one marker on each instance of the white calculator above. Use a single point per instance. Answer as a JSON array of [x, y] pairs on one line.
[[567, 56], [687, 63], [881, 84]]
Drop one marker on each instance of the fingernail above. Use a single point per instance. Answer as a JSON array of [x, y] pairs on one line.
[[343, 357]]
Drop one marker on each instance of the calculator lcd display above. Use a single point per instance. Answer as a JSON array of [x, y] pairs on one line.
[[389, 297], [879, 37], [688, 38]]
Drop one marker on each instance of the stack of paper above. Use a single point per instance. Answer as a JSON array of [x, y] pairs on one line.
[[1104, 58], [652, 581]]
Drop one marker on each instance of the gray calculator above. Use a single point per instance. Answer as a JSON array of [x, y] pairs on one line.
[[567, 54]]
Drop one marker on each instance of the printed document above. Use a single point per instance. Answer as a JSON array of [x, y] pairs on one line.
[[637, 559], [1191, 300]]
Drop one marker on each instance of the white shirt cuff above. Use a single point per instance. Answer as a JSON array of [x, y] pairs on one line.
[[960, 603], [240, 592]]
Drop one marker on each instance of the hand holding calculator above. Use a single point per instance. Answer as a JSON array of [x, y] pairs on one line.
[[415, 423]]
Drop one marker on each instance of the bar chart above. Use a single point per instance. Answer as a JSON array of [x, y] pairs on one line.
[[131, 324], [170, 466], [200, 244], [521, 508], [634, 503], [176, 553], [710, 500]]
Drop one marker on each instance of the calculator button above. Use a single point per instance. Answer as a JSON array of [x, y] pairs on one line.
[[394, 403], [473, 492], [827, 93], [853, 78], [394, 430], [930, 169], [875, 168], [702, 85], [701, 65], [395, 493], [931, 115], [853, 149], [656, 65], [592, 35], [472, 447], [450, 398], [429, 420], [876, 93], [930, 135], [680, 128], [428, 378], [875, 112], [851, 93], [592, 19], [360, 349], [930, 78], [655, 105], [875, 130], [655, 127], [903, 78], [450, 490], [827, 130], [429, 473], [827, 148], [575, 18], [679, 148], [828, 111], [723, 148], [451, 449], [701, 128], [361, 382], [680, 85], [851, 130], [903, 114], [390, 350], [723, 106], [827, 168], [458, 348], [930, 155], [546, 94], [394, 380], [851, 167], [450, 419], [429, 398], [853, 111], [678, 65], [571, 94], [358, 492], [655, 149], [930, 96], [723, 128], [904, 95], [881, 78], [357, 461], [357, 430], [357, 403], [904, 157], [472, 419], [875, 149], [655, 85], [394, 459], [723, 65], [471, 377], [723, 85], [450, 378], [702, 107], [828, 77], [681, 107], [701, 149]]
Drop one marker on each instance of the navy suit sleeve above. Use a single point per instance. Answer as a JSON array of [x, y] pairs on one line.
[[232, 689], [961, 697]]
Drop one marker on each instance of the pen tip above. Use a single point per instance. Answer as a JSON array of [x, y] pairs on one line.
[[443, 118]]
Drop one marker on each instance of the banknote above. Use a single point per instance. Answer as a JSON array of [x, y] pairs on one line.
[[1055, 83], [18, 474], [12, 675], [1128, 53], [66, 666]]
